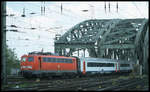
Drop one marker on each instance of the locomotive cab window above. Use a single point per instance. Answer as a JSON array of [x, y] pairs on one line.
[[30, 59], [23, 59]]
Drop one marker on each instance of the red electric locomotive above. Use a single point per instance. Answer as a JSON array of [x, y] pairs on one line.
[[40, 64], [48, 65]]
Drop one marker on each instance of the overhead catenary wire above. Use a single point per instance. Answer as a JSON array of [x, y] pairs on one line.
[[109, 6], [23, 15], [138, 9], [117, 7], [105, 6], [19, 19], [125, 12], [75, 15], [49, 11], [64, 9], [61, 7], [69, 11], [120, 15], [26, 24], [58, 12], [42, 9]]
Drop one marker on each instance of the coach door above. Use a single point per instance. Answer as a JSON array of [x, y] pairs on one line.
[[40, 63], [84, 67], [116, 66], [78, 65]]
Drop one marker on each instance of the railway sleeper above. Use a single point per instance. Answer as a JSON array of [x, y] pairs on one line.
[[121, 82], [133, 86]]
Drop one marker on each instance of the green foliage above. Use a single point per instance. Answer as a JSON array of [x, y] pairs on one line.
[[11, 60]]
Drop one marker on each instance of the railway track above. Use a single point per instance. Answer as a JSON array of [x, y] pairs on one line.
[[97, 83], [135, 84], [53, 84], [121, 84]]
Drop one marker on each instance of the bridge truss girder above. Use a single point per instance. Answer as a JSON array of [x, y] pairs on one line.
[[107, 38]]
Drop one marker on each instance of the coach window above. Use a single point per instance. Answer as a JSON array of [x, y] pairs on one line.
[[101, 64], [97, 64], [89, 64], [109, 65], [124, 65], [30, 59]]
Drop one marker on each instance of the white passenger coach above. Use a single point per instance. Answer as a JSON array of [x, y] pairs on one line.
[[100, 65]]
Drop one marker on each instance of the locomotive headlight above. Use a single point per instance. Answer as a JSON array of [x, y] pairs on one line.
[[29, 67], [23, 66], [26, 67]]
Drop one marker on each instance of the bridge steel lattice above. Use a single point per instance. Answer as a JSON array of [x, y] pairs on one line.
[[123, 39]]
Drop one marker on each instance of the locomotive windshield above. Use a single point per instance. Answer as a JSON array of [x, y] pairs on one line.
[[23, 59]]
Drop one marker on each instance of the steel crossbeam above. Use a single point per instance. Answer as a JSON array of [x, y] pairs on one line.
[[106, 38]]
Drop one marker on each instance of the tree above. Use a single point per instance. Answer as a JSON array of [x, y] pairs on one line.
[[11, 60]]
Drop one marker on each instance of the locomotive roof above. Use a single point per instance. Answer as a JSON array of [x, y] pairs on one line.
[[48, 56]]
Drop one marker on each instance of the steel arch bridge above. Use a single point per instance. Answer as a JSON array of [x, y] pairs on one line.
[[124, 39]]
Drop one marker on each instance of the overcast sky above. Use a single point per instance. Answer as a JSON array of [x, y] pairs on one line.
[[72, 12], [54, 22]]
